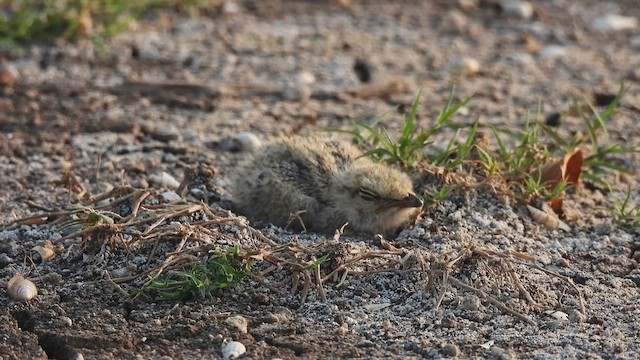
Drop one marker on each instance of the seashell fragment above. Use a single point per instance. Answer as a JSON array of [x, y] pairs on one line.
[[21, 289], [233, 349], [547, 218], [46, 252]]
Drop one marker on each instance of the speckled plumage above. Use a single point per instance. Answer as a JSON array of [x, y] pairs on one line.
[[327, 183]]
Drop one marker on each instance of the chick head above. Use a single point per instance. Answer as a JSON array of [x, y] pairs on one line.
[[375, 198]]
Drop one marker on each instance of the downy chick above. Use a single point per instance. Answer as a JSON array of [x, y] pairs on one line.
[[322, 184]]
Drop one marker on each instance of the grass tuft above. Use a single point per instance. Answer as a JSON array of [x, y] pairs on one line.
[[25, 21], [407, 149], [625, 214], [216, 271]]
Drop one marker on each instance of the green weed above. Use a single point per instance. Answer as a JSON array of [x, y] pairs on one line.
[[24, 21], [595, 133], [216, 271], [625, 214], [407, 149]]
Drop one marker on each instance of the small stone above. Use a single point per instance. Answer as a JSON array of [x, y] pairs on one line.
[[246, 141], [554, 119], [451, 350], [230, 8], [502, 354], [66, 321], [5, 260], [169, 196], [305, 78], [467, 5], [164, 180], [458, 19], [239, 322], [471, 303], [576, 317], [8, 74], [233, 350], [296, 92], [464, 66], [552, 52], [363, 70], [521, 9], [613, 22]]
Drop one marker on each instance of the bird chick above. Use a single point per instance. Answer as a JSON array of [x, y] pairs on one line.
[[320, 184]]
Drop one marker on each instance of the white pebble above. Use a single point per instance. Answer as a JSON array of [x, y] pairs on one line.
[[613, 22], [305, 78], [233, 350], [552, 52], [558, 315], [464, 66], [246, 141], [164, 180], [230, 8], [521, 9]]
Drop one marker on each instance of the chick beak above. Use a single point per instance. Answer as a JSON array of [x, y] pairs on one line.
[[410, 201]]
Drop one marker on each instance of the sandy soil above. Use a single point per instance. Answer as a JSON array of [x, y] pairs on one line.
[[174, 92]]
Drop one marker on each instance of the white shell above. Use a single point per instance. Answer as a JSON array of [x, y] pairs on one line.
[[21, 289], [548, 219], [233, 350]]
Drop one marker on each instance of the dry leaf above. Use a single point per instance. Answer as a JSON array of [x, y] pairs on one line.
[[567, 170]]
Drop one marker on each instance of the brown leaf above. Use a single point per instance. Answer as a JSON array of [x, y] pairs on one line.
[[568, 170]]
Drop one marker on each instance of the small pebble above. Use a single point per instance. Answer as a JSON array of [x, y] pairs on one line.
[[164, 180], [8, 74], [467, 5], [169, 196], [363, 70], [471, 303], [239, 322], [299, 92], [66, 321], [576, 317], [464, 66], [613, 22], [501, 354], [305, 78], [230, 8], [246, 141], [451, 350], [233, 350], [552, 52], [554, 119], [521, 9]]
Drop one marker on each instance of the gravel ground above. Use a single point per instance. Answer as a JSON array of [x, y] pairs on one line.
[[175, 92]]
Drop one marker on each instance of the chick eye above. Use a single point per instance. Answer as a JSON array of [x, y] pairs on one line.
[[368, 194]]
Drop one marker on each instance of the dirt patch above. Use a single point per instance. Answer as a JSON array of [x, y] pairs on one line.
[[173, 92]]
